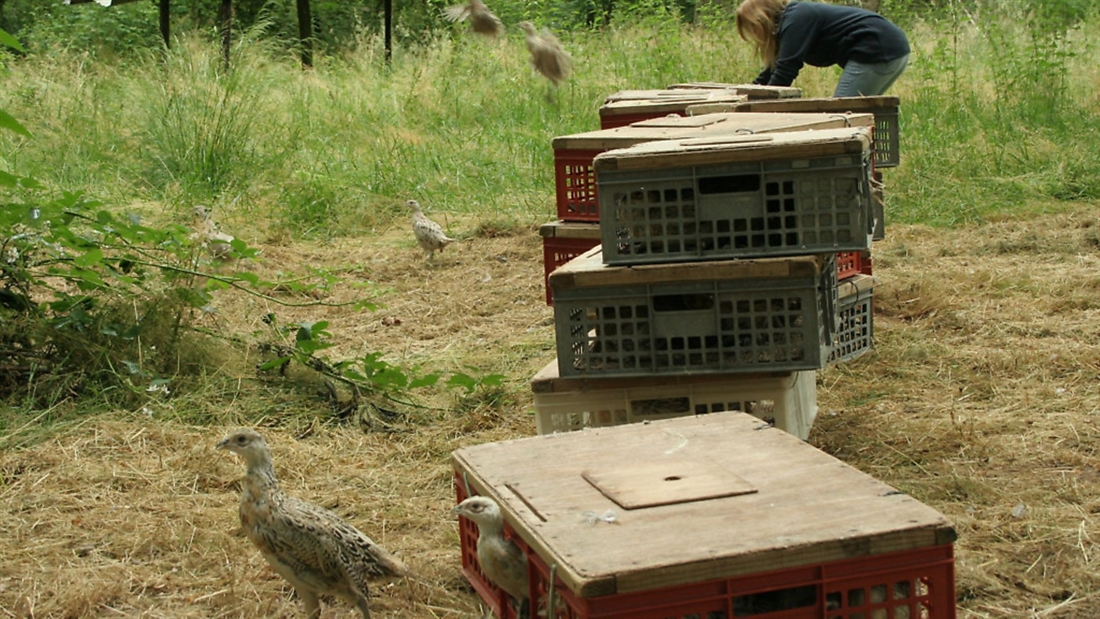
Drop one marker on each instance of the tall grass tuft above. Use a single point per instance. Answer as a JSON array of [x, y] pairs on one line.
[[207, 127]]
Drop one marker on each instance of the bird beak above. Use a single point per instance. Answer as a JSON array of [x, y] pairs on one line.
[[456, 510], [222, 443]]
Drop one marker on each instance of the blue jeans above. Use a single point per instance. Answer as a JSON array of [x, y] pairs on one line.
[[869, 79]]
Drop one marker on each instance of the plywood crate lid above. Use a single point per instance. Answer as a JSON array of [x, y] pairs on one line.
[[570, 230], [589, 271], [668, 93], [820, 104], [549, 380], [718, 149], [706, 125], [667, 104], [692, 499], [752, 91]]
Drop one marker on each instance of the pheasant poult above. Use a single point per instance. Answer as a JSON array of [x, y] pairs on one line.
[[547, 55], [315, 550], [207, 233], [428, 233], [482, 20], [500, 559]]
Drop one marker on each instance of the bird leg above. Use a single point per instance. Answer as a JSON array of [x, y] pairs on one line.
[[309, 601], [361, 603]]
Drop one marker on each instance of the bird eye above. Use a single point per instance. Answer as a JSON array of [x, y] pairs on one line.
[[240, 439]]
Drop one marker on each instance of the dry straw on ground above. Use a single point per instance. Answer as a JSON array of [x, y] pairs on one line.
[[980, 399]]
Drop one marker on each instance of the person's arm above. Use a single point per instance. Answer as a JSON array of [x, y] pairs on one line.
[[797, 33], [764, 76]]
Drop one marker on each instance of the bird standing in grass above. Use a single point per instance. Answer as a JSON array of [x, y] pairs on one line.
[[482, 20], [500, 559], [316, 551], [427, 232], [209, 235], [547, 55]]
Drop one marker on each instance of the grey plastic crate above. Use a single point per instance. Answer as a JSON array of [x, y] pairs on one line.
[[886, 109], [696, 325], [887, 137], [747, 209], [855, 319]]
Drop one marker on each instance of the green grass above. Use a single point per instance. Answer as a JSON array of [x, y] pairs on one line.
[[463, 124]]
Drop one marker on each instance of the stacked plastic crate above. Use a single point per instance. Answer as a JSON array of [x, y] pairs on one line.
[[577, 196], [714, 290], [709, 517], [717, 258], [575, 230], [855, 305]]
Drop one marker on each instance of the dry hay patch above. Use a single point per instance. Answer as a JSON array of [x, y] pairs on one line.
[[120, 517], [981, 399]]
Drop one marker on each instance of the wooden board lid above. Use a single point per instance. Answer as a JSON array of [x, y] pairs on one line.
[[588, 270], [549, 380], [808, 508], [855, 285], [684, 152], [570, 230], [667, 104], [752, 91], [820, 104], [669, 93], [677, 127]]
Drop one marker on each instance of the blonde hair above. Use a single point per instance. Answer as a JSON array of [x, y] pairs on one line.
[[757, 21]]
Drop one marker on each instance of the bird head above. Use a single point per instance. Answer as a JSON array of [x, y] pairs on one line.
[[200, 212], [413, 204], [248, 444], [480, 509], [527, 27]]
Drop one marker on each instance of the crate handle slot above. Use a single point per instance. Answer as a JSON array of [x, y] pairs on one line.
[[731, 183], [694, 302]]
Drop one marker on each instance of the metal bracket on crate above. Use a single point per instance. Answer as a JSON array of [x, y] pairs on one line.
[[550, 591], [845, 118], [829, 288], [466, 484]]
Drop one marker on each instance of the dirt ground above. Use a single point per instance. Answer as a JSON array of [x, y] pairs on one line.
[[980, 399]]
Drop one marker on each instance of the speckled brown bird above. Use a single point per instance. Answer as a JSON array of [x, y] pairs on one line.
[[548, 57], [500, 559], [315, 550], [208, 234], [428, 233], [482, 20]]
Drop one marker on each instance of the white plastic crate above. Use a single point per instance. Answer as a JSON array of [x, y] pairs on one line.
[[782, 194], [787, 400]]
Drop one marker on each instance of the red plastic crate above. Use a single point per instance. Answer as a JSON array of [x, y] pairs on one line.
[[622, 120], [918, 584], [556, 252], [851, 263], [561, 242], [495, 597], [575, 182], [894, 560]]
